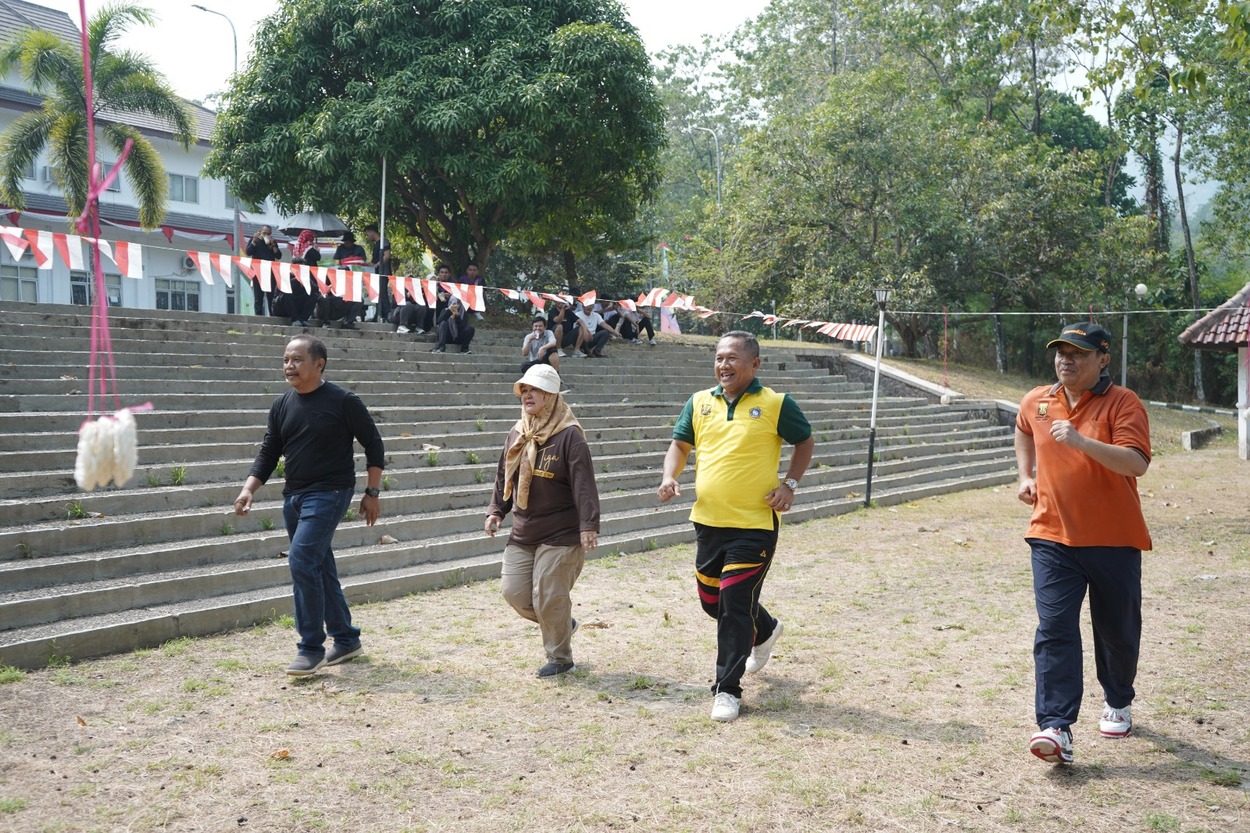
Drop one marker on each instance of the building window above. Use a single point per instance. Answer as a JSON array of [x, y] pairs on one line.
[[184, 188], [177, 295], [106, 165], [82, 289], [29, 171], [19, 283]]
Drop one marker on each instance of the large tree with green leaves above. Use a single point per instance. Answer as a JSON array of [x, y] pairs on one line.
[[495, 117], [122, 82]]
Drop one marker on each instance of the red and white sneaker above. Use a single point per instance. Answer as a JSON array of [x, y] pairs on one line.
[[1115, 723], [1052, 745]]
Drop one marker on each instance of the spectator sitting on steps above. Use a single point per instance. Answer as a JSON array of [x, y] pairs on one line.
[[299, 304], [454, 328], [331, 307], [539, 347]]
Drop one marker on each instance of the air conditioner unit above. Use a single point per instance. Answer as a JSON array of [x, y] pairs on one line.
[[187, 263]]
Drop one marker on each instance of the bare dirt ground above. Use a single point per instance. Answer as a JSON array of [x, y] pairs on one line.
[[899, 698]]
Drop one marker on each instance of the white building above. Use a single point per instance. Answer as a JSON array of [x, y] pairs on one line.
[[199, 215]]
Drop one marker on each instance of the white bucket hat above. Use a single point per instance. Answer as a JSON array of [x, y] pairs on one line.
[[541, 376]]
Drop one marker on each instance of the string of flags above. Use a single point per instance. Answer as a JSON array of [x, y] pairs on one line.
[[353, 285]]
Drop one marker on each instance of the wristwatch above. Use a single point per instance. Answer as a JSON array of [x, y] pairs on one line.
[[372, 492], [792, 483]]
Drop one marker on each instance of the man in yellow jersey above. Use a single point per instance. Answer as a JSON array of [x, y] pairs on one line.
[[738, 428], [1081, 444]]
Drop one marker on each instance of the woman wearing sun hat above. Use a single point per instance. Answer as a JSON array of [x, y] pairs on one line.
[[546, 478]]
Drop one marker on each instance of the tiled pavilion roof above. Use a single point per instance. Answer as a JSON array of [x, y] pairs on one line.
[[1224, 328]]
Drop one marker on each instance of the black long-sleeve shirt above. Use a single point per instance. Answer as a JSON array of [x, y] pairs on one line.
[[315, 432]]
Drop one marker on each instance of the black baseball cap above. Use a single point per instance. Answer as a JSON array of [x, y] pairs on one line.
[[1088, 336]]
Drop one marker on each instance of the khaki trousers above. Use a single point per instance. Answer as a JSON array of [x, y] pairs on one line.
[[536, 581]]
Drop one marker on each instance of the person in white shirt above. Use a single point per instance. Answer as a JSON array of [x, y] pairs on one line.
[[539, 347]]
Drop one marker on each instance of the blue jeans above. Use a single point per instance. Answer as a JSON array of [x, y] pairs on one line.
[[1061, 575], [320, 606]]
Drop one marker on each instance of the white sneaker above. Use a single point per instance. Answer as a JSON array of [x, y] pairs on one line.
[[402, 329], [562, 354], [1116, 723], [418, 332], [577, 354], [1052, 745], [762, 652], [653, 342], [725, 707]]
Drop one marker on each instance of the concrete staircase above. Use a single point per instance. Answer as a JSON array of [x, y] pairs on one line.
[[84, 574]]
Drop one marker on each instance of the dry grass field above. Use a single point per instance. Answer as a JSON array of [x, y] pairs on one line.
[[899, 699]]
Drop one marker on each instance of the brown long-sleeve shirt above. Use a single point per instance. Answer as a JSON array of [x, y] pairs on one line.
[[564, 501]]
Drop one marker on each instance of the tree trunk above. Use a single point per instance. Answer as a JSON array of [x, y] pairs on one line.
[[1000, 349], [570, 269], [1190, 261]]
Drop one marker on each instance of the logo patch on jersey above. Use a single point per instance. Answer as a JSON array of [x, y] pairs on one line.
[[705, 409], [1042, 407], [756, 413]]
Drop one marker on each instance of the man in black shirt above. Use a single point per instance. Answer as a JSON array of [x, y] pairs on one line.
[[312, 425], [262, 246]]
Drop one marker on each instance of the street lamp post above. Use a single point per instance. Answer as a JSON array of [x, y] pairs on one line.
[[716, 145], [238, 211], [882, 296], [1140, 291]]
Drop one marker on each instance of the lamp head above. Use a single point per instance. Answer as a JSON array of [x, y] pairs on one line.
[[882, 296], [1140, 290]]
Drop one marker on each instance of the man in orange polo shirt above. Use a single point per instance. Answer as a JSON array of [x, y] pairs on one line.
[[1089, 441]]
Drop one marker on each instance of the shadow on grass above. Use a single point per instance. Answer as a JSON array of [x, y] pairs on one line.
[[426, 683]]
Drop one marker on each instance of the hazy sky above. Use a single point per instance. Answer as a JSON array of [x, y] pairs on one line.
[[194, 50]]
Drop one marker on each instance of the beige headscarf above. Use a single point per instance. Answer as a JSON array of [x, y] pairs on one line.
[[533, 431]]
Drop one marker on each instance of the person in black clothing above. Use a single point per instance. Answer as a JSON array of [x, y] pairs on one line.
[[312, 426], [331, 307], [262, 247], [454, 328], [383, 266], [300, 304]]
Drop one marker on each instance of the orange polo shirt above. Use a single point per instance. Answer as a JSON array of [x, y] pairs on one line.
[[1080, 502]]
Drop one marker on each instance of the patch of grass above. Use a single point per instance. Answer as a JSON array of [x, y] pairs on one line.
[[55, 658], [154, 480], [386, 482], [481, 423], [75, 510], [227, 528], [177, 647], [350, 514], [471, 458], [1222, 777], [178, 475], [9, 674], [24, 549], [286, 620], [652, 544], [280, 469], [1163, 822], [479, 476], [12, 805], [431, 458], [266, 524]]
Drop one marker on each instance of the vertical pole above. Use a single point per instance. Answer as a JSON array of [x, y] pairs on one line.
[[872, 419], [1124, 349], [774, 320]]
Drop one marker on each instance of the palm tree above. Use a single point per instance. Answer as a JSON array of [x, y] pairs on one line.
[[123, 82]]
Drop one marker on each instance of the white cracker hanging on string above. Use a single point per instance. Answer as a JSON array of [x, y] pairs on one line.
[[108, 449]]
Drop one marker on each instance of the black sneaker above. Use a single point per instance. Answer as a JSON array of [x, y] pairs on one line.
[[305, 664], [551, 669], [349, 325], [465, 350], [438, 350], [339, 653]]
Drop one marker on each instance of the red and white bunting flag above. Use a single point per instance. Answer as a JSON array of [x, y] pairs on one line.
[[588, 298], [771, 319], [247, 265], [41, 247], [555, 296], [70, 248], [348, 285], [510, 293], [103, 246], [222, 262], [371, 286], [793, 321], [398, 286], [708, 313], [129, 259], [15, 240], [319, 274], [628, 304], [678, 301], [814, 325], [831, 330], [300, 273], [428, 296], [754, 314], [282, 275], [201, 261], [470, 295], [652, 298], [537, 300]]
